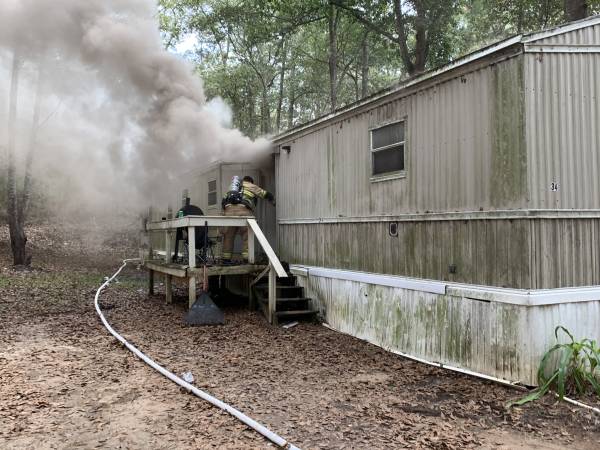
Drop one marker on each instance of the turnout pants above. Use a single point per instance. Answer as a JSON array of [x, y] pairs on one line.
[[229, 233]]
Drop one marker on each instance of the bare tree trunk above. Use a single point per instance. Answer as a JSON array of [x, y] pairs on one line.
[[265, 113], [421, 39], [290, 115], [18, 240], [281, 85], [575, 9], [251, 99], [27, 182], [291, 93], [403, 38], [333, 55], [365, 66]]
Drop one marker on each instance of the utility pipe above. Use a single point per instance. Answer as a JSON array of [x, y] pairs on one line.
[[276, 439]]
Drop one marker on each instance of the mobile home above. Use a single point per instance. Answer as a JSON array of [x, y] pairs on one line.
[[455, 217]]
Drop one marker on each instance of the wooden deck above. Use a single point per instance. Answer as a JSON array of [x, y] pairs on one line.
[[184, 271], [192, 272]]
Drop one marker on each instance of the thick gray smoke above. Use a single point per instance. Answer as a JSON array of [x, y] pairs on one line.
[[120, 118]]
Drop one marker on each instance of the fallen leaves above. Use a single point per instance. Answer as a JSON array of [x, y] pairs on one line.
[[64, 378]]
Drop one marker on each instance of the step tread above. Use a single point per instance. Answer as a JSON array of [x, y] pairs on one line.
[[286, 299], [302, 312], [279, 286]]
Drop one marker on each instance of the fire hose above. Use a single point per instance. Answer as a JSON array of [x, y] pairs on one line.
[[276, 439]]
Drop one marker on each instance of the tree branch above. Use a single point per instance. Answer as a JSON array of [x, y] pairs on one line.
[[358, 15]]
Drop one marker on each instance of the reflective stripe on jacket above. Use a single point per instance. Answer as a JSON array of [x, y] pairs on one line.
[[251, 193]]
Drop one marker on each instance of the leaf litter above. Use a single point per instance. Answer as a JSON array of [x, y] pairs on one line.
[[64, 382]]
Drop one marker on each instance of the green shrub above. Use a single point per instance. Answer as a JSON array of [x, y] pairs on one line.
[[573, 367]]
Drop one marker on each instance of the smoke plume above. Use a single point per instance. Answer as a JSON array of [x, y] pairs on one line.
[[120, 118]]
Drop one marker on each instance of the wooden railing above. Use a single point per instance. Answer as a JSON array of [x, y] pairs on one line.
[[275, 267]]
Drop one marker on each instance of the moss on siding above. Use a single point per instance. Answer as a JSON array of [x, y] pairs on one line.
[[509, 152], [331, 171]]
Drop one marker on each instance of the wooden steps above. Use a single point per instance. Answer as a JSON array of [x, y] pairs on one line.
[[291, 304]]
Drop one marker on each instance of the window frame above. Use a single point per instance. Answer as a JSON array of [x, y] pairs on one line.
[[208, 192], [396, 174]]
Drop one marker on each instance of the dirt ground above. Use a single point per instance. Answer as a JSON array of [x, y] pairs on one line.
[[66, 383]]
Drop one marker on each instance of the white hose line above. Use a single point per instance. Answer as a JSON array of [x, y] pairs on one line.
[[276, 439], [501, 381], [576, 403]]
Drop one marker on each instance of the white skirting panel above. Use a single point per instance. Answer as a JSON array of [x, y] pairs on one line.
[[496, 338]]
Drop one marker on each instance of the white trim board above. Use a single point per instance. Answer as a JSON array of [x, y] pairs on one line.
[[415, 284], [458, 215], [522, 297]]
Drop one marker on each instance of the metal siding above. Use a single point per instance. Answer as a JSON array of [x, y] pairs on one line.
[[496, 339], [563, 139], [589, 35], [566, 253], [487, 252], [198, 190], [450, 152]]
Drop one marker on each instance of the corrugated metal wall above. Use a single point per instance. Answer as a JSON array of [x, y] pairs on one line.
[[563, 128], [196, 182], [491, 138], [487, 252], [589, 35], [565, 252], [497, 339], [465, 150]]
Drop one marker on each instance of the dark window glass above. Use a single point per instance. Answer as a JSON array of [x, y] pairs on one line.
[[212, 192], [212, 198], [388, 160], [388, 135]]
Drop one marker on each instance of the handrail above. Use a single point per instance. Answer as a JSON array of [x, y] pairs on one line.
[[197, 221], [275, 263], [222, 221]]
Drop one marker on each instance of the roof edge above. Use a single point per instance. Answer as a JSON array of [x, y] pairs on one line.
[[562, 29], [462, 61]]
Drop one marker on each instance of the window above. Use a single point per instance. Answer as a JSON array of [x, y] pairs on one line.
[[212, 193], [387, 150]]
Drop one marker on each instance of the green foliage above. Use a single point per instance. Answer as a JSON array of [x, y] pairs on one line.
[[269, 59], [572, 367]]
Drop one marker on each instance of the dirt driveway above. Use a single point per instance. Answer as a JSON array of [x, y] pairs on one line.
[[66, 383]]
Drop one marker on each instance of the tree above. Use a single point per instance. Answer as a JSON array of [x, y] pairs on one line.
[[18, 200], [575, 9], [415, 26]]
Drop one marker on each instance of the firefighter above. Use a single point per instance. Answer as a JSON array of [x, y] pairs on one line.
[[241, 201]]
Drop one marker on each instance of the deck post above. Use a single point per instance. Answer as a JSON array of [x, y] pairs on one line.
[[251, 255], [192, 265], [192, 247], [168, 279], [150, 256], [167, 246], [169, 288], [150, 282], [192, 290], [272, 295]]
